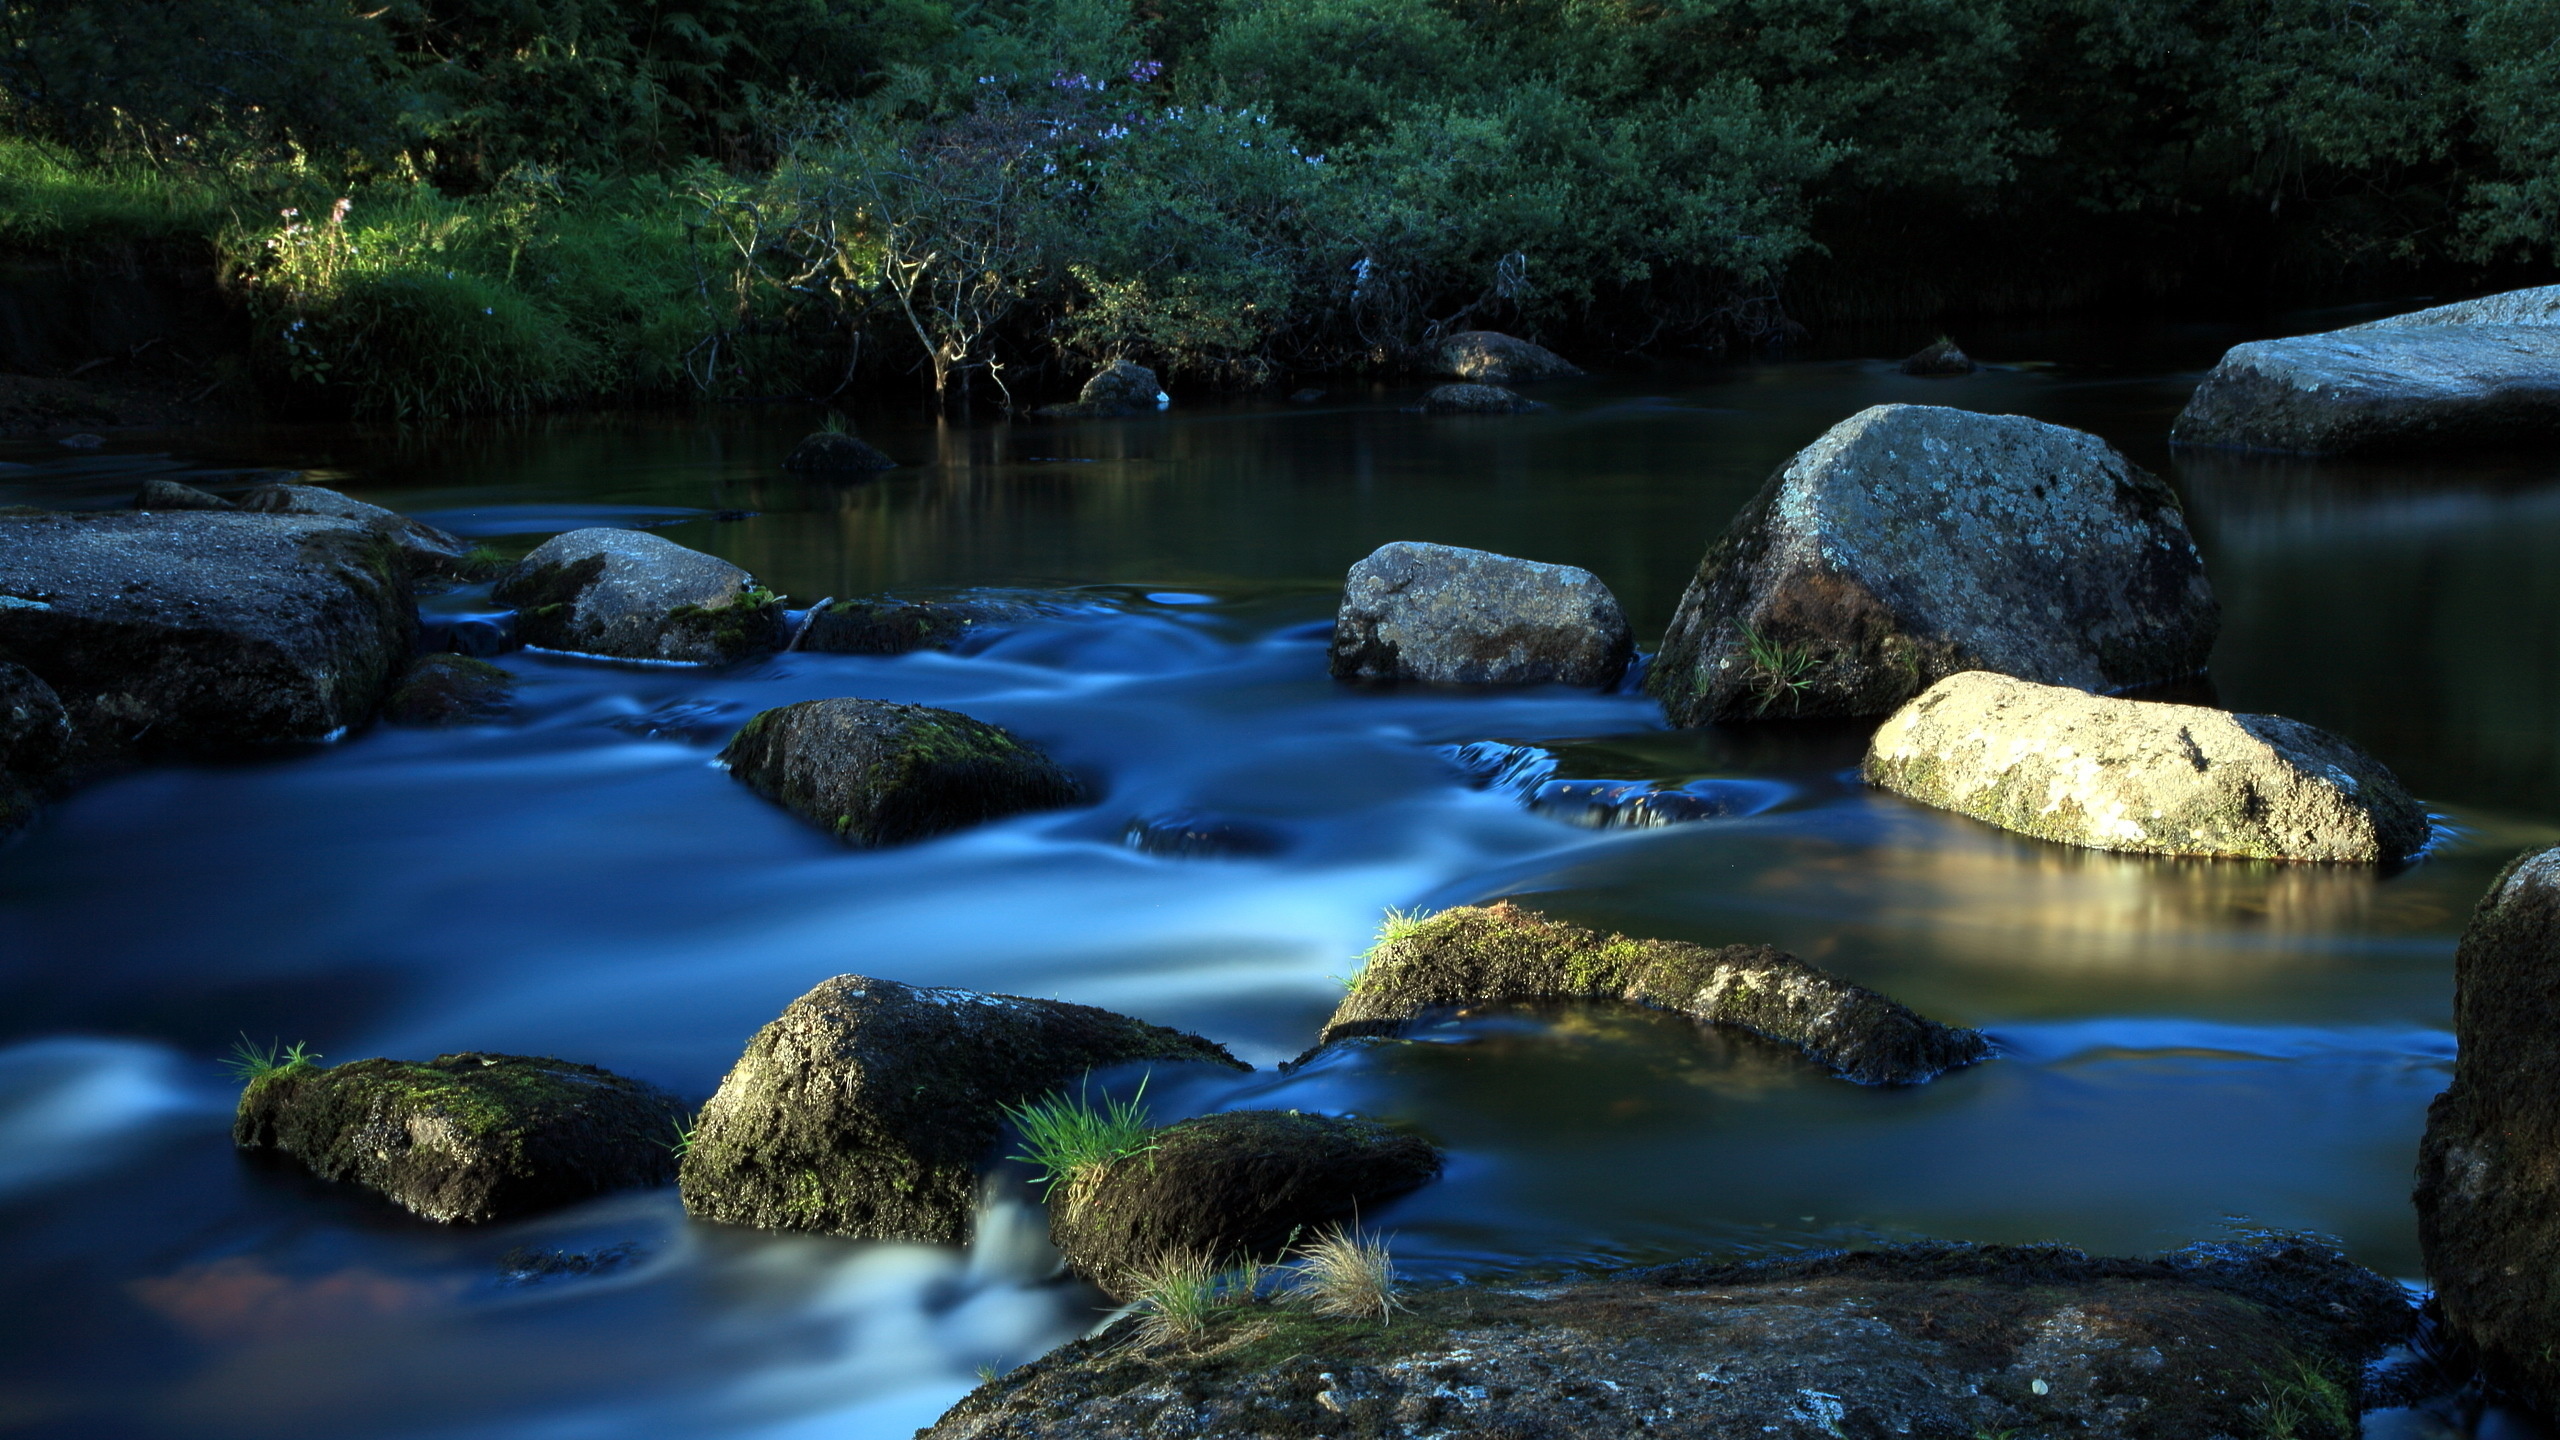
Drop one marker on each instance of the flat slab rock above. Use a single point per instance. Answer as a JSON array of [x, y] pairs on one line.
[[2480, 373], [875, 772], [635, 596], [1452, 616], [2157, 779], [869, 1108], [1936, 1342], [1912, 542]]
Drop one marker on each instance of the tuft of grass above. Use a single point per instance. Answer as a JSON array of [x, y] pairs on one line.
[[834, 424], [682, 1145], [2305, 1403], [1347, 1274], [1175, 1297], [1397, 925], [249, 1062], [1069, 1138], [1778, 672]]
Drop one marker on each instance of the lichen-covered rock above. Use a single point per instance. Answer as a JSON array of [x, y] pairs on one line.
[[636, 596], [466, 1138], [1912, 542], [870, 1108], [1450, 616], [1500, 954], [427, 549], [873, 772], [893, 627], [2140, 775], [203, 632], [2482, 372], [445, 690], [1123, 387], [1492, 358], [1936, 1342], [2489, 1169], [1476, 400], [1941, 357], [170, 495], [1245, 1184], [835, 452]]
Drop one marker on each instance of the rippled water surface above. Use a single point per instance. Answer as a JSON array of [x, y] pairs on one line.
[[2185, 1046]]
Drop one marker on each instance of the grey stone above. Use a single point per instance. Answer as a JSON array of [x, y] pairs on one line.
[[2489, 1168], [1475, 400], [447, 690], [1939, 358], [428, 549], [2480, 373], [1914, 542], [870, 1108], [1438, 613], [873, 772], [629, 594], [170, 495], [2158, 779], [834, 452], [1493, 358], [1123, 387]]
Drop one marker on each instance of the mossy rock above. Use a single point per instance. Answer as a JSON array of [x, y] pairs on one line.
[[871, 1108], [832, 452], [890, 627], [1476, 400], [446, 690], [1123, 387], [874, 772], [1499, 954], [469, 1137], [1490, 357], [1245, 1184], [636, 596]]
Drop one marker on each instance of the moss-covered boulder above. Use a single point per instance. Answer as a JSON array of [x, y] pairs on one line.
[[424, 548], [1446, 615], [466, 1138], [1501, 953], [1489, 357], [2489, 1168], [870, 1108], [1246, 1184], [2158, 779], [893, 627], [874, 772], [446, 690], [636, 596], [1934, 1342], [1123, 387], [833, 452], [1476, 400]]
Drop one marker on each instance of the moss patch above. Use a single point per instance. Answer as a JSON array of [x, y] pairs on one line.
[[876, 773]]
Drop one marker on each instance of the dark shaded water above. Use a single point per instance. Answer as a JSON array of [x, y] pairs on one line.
[[2188, 1046]]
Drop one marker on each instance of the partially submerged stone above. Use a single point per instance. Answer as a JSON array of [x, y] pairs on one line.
[[1476, 400], [1940, 357], [470, 1137], [874, 772], [892, 627], [1912, 542], [1490, 357], [635, 596], [1936, 1341], [1123, 387], [170, 495], [870, 1108], [2480, 373], [1201, 834], [426, 548], [447, 690], [2140, 775], [2489, 1169], [1245, 1184], [1502, 954], [1451, 616], [835, 452]]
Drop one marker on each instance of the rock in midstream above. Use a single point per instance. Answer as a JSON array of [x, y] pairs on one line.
[[466, 1138], [1499, 954], [1929, 1340], [2489, 1169], [1476, 400], [2140, 775], [870, 1108], [2480, 373], [1912, 542], [1530, 773], [833, 452], [1489, 357], [1451, 616], [1239, 1185], [1937, 359], [886, 626], [874, 772], [1123, 387], [439, 691], [636, 596]]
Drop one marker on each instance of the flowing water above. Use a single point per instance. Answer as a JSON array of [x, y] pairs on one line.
[[2186, 1047]]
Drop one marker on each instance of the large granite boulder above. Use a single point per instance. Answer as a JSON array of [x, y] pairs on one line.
[[2139, 775], [2489, 1169], [1476, 400], [635, 596], [2481, 373], [1124, 387], [1912, 542], [871, 1108], [204, 632], [1502, 954], [1242, 1185], [1934, 1342], [1490, 357], [466, 1138], [1450, 616], [874, 772], [427, 549]]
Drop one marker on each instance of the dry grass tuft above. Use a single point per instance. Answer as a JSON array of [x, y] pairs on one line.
[[1348, 1274]]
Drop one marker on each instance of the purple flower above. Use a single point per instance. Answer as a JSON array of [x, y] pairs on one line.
[[1146, 70]]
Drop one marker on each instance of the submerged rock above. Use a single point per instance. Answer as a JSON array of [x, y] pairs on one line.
[[1246, 1184], [470, 1137], [869, 1108], [1530, 773], [1912, 542], [893, 627], [427, 549], [1450, 616], [1475, 400], [2483, 372], [873, 772], [2489, 1169], [1122, 388], [1193, 834], [445, 690], [2158, 779], [636, 596], [1490, 357], [1939, 358], [835, 452], [202, 632], [1930, 1340], [1501, 954]]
